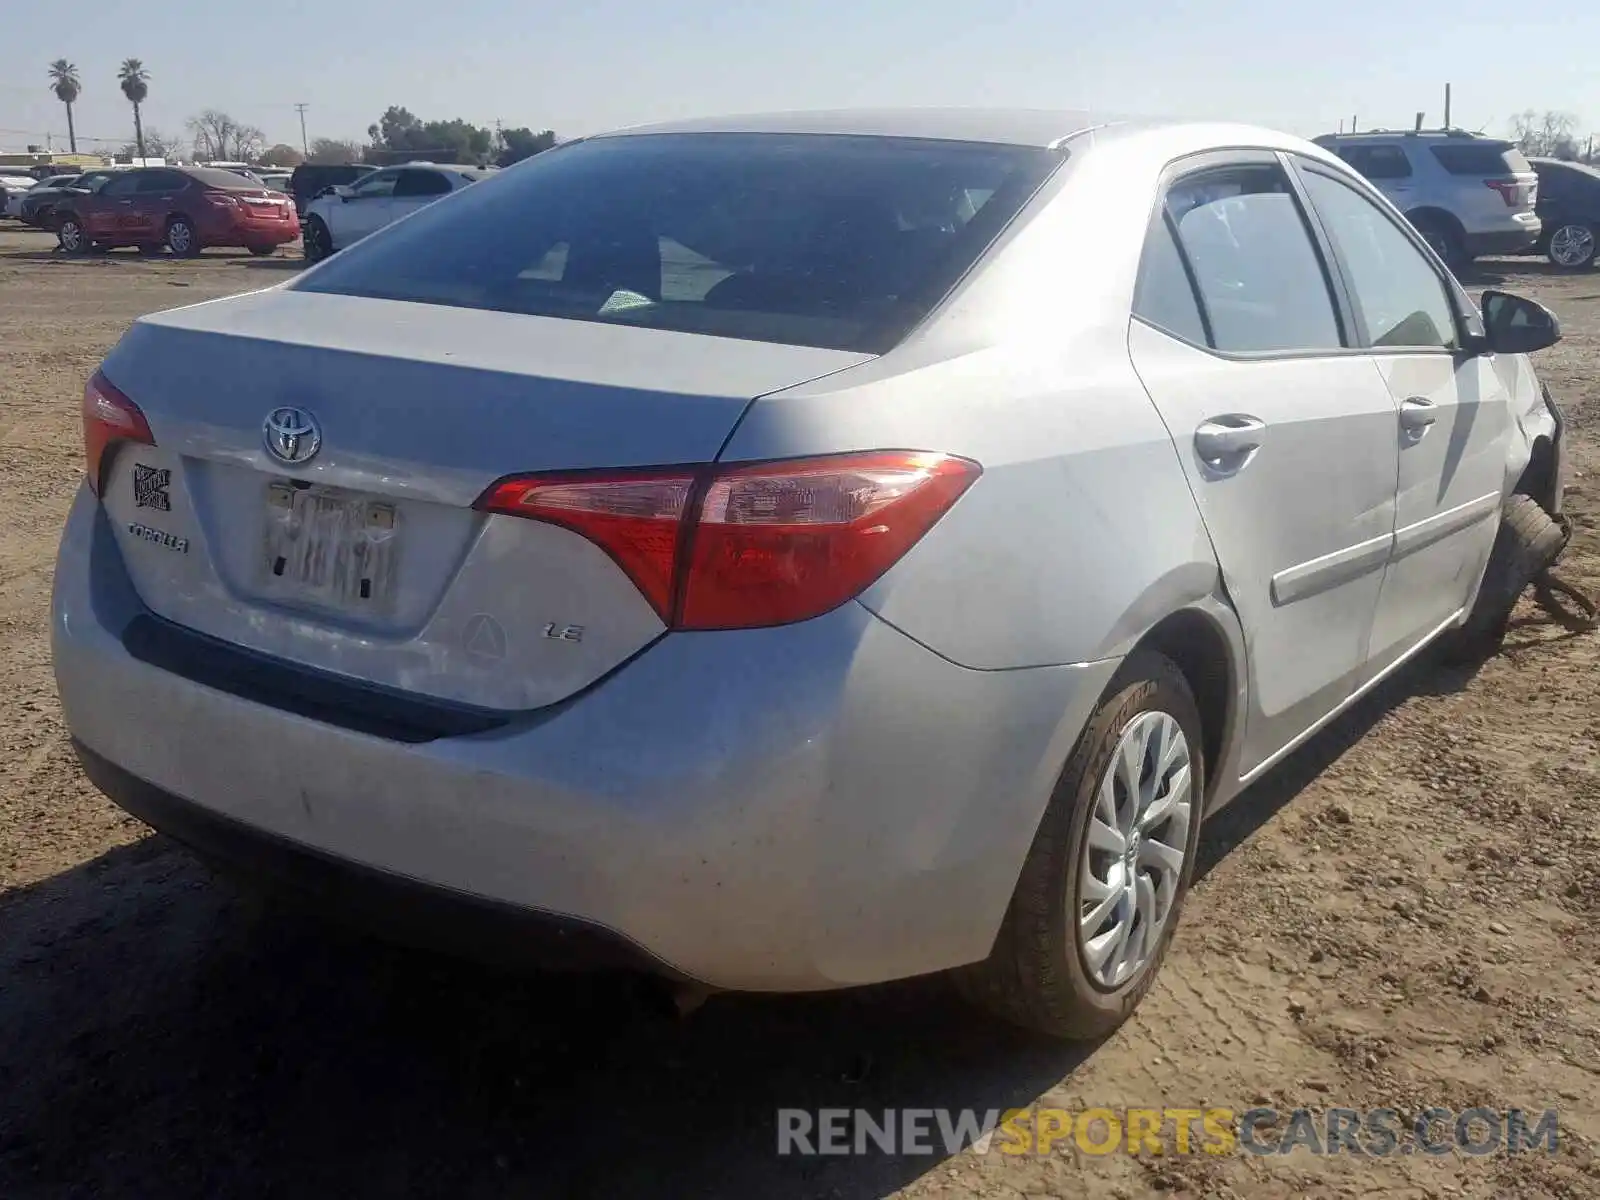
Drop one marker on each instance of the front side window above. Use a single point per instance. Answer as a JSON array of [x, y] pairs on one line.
[[1260, 277], [820, 240], [123, 185], [375, 187], [1401, 300]]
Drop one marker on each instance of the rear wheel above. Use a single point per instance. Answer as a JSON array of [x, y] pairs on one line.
[[1573, 245], [1102, 886], [316, 243], [182, 239], [1443, 238], [72, 236], [261, 251]]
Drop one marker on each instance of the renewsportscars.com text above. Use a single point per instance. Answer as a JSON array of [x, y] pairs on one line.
[[1376, 1132]]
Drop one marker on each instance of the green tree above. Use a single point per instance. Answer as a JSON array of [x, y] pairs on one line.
[[518, 144], [399, 134], [135, 83], [64, 83]]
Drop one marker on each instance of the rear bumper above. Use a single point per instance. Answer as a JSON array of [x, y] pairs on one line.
[[819, 805], [406, 910], [1502, 241], [250, 233]]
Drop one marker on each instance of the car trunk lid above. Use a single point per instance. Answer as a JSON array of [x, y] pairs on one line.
[[367, 557]]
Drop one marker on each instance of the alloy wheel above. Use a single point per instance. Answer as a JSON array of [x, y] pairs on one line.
[[1572, 246], [1134, 849]]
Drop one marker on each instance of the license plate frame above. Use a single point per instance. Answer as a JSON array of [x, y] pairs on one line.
[[331, 547]]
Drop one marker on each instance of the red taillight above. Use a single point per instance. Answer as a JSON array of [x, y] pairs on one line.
[[1510, 190], [637, 519], [755, 544], [109, 417], [222, 200]]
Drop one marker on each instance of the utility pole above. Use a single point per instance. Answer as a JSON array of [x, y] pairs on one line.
[[305, 147], [1447, 106]]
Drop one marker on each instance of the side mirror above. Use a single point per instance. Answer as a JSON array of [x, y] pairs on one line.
[[1516, 325]]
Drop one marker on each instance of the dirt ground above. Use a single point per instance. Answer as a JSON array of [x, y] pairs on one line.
[[1402, 916]]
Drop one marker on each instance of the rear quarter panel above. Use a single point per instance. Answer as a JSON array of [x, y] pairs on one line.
[[1081, 534]]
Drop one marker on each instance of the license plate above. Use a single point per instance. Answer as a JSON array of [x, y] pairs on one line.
[[331, 546]]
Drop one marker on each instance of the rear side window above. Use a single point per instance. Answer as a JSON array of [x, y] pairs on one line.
[[818, 240], [1261, 280], [421, 183], [1481, 158], [1378, 162], [1164, 296]]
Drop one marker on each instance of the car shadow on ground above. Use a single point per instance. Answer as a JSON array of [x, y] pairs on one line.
[[161, 1035]]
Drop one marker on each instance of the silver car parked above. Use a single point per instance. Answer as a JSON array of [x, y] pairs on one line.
[[1467, 194], [793, 552]]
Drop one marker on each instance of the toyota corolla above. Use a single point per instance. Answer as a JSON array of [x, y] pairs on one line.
[[796, 552]]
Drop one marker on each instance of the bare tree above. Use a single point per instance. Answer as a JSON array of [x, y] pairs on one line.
[[1549, 134], [332, 150], [247, 142], [156, 145], [211, 132]]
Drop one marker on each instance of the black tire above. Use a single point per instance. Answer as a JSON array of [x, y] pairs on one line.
[[1576, 242], [71, 235], [261, 251], [1528, 541], [183, 239], [316, 243], [1445, 239], [1035, 976]]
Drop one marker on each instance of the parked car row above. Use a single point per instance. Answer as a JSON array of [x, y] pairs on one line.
[[1471, 195], [181, 209]]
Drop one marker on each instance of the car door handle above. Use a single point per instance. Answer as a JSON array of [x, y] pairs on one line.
[[1416, 414], [124, 201], [1227, 442]]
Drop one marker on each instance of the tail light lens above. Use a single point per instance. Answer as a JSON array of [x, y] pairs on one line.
[[222, 200], [750, 545], [637, 519], [1510, 190], [109, 417]]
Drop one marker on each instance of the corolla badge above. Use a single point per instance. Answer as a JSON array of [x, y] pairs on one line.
[[292, 435]]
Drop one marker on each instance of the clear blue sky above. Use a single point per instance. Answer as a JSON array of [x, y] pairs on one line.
[[579, 67]]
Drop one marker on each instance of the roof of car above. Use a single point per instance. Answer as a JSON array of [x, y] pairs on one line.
[[1022, 127]]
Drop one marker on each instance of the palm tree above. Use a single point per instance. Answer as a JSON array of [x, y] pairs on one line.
[[135, 81], [64, 83]]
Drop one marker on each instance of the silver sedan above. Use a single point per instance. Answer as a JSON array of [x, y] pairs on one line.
[[795, 552]]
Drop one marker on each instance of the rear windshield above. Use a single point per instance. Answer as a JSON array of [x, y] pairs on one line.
[[839, 242], [220, 177], [1481, 158]]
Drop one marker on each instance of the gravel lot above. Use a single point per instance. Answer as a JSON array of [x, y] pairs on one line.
[[1403, 915]]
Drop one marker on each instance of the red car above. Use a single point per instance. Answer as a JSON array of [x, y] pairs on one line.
[[182, 208]]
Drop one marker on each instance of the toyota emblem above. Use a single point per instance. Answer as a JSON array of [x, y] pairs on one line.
[[292, 435]]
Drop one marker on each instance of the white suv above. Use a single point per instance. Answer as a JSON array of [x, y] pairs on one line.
[[348, 213], [1468, 195]]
